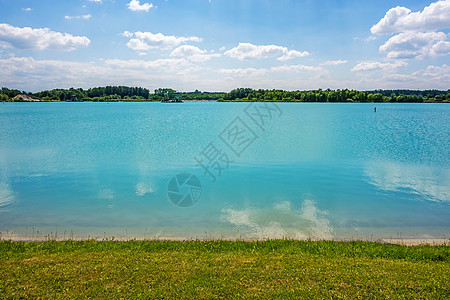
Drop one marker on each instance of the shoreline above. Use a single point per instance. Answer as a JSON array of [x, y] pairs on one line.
[[223, 101], [394, 241], [398, 236]]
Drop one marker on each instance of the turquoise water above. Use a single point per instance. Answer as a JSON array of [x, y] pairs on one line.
[[290, 170]]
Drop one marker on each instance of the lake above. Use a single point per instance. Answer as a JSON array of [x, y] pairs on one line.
[[224, 170]]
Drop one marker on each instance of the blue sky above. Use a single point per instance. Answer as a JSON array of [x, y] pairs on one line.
[[219, 45]]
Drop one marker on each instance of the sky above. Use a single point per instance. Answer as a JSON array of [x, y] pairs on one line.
[[219, 45]]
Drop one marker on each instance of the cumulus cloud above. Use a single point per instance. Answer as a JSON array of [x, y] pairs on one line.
[[170, 67], [85, 17], [150, 64], [96, 1], [127, 34], [431, 76], [42, 74], [244, 72], [39, 39], [142, 41], [250, 51], [400, 77], [48, 74], [417, 36], [290, 54], [334, 62], [247, 51], [436, 73], [296, 68], [253, 72], [416, 45], [440, 48], [135, 5], [193, 53], [27, 9], [187, 50], [400, 19], [374, 65]]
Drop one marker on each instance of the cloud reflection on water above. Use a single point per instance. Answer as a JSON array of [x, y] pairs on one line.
[[281, 221], [430, 183], [6, 195]]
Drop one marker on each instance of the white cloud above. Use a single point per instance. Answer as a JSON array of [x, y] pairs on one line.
[[400, 78], [438, 69], [253, 72], [127, 34], [50, 74], [135, 5], [400, 19], [430, 77], [159, 64], [296, 68], [416, 37], [437, 73], [96, 1], [244, 72], [143, 41], [374, 65], [187, 50], [250, 51], [27, 9], [193, 53], [85, 17], [440, 48], [40, 39], [292, 54], [416, 45], [334, 62], [46, 73], [247, 51], [368, 39], [26, 73]]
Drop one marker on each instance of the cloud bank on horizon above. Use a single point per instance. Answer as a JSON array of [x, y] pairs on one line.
[[223, 44]]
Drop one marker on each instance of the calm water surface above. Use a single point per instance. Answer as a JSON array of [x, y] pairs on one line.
[[291, 170]]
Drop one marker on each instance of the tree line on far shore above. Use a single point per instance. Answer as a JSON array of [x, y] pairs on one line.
[[107, 94], [124, 93], [345, 95]]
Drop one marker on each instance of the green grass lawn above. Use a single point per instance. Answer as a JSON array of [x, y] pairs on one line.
[[222, 269]]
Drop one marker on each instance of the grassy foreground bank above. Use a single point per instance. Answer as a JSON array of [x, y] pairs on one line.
[[222, 269]]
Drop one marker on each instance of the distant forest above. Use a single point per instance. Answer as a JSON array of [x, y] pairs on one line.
[[246, 94], [105, 94], [124, 93]]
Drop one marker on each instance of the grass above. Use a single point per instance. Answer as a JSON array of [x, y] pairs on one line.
[[222, 269]]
